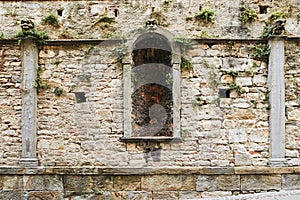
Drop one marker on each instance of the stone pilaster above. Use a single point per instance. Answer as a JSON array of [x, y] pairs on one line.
[[127, 100], [176, 98], [277, 101], [29, 103]]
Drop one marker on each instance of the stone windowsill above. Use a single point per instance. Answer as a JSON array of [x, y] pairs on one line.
[[151, 139]]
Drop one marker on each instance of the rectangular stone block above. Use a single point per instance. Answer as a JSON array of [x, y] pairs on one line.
[[46, 183], [12, 195], [12, 182], [170, 195], [260, 182], [291, 182], [44, 195], [127, 183], [78, 184], [162, 183], [218, 183]]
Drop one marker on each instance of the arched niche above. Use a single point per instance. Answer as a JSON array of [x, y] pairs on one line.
[[152, 87]]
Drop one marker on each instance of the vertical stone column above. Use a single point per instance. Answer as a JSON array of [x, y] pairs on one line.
[[127, 99], [29, 104], [176, 98], [277, 101]]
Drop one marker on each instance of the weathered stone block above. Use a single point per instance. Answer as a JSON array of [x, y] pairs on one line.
[[44, 195], [189, 195], [291, 182], [216, 194], [242, 159], [78, 184], [47, 182], [12, 195], [218, 182], [102, 183], [162, 183], [12, 182], [260, 182], [127, 183], [237, 135], [244, 81], [170, 195]]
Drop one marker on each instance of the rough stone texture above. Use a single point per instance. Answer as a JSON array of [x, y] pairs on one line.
[[44, 195], [291, 182], [260, 182], [292, 83], [217, 131], [79, 20], [40, 183], [218, 183], [10, 104]]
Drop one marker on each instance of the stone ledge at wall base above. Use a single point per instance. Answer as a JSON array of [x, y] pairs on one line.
[[143, 183]]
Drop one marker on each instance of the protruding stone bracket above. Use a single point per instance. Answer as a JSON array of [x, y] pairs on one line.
[[29, 102], [277, 101]]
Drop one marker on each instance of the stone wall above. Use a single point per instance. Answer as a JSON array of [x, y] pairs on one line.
[[216, 130], [292, 103], [11, 104], [169, 183], [225, 131], [79, 19]]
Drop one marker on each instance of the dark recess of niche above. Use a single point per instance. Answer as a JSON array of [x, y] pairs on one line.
[[224, 93], [263, 9], [60, 12], [80, 97]]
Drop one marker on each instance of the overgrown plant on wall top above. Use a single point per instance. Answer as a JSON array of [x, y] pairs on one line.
[[38, 37], [247, 15], [205, 15]]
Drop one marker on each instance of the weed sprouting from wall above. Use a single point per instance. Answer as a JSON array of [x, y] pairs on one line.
[[39, 84], [261, 52], [160, 18], [119, 52], [247, 15], [205, 15], [51, 19]]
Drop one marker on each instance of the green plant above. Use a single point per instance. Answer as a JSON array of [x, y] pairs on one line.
[[105, 19], [268, 30], [261, 52], [186, 64], [237, 88], [278, 15], [184, 43], [39, 84], [204, 34], [88, 51], [119, 52], [51, 19], [159, 17], [205, 15], [58, 91], [233, 73], [57, 62], [38, 37], [247, 15], [1, 35]]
